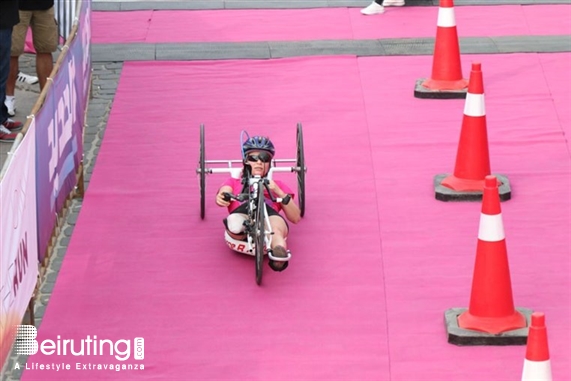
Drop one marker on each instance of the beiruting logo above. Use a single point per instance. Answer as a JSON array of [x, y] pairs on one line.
[[26, 344]]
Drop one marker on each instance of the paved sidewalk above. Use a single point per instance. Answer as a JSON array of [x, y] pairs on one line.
[[26, 97]]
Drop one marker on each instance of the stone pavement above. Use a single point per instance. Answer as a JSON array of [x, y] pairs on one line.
[[26, 98], [108, 63]]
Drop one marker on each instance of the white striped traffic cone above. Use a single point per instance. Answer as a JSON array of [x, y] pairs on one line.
[[473, 158], [536, 366], [446, 67], [491, 307]]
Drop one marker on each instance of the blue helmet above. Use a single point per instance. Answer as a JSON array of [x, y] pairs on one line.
[[258, 143]]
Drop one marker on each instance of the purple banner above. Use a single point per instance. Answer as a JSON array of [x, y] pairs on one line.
[[59, 131], [59, 150]]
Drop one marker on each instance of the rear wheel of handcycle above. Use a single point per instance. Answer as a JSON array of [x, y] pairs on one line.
[[260, 237], [202, 173], [300, 164]]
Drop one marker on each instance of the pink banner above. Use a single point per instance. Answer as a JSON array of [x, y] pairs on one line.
[[19, 259]]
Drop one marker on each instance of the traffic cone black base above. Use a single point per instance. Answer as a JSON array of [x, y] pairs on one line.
[[467, 337], [443, 193], [421, 91]]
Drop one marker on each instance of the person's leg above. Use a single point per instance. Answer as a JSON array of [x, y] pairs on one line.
[[5, 43], [44, 67], [10, 101], [45, 36], [18, 41], [235, 225], [7, 126], [12, 76], [280, 229], [279, 245]]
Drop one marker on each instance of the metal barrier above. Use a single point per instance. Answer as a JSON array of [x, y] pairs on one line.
[[66, 12]]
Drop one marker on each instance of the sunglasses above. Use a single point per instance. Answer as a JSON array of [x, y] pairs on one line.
[[262, 156]]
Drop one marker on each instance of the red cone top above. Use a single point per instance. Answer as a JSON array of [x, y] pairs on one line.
[[476, 83], [446, 4], [537, 348], [538, 320], [491, 197]]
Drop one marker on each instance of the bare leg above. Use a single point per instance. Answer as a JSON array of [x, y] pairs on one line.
[[12, 76], [279, 246], [280, 230], [44, 67]]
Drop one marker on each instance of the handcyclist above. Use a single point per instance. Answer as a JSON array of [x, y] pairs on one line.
[[257, 153]]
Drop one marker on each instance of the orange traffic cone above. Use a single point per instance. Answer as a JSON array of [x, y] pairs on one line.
[[446, 81], [473, 158], [491, 303], [537, 366]]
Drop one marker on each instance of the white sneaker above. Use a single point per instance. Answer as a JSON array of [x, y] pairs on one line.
[[29, 79], [373, 9], [11, 105], [393, 3]]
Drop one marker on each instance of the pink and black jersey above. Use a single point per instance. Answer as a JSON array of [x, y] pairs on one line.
[[236, 185]]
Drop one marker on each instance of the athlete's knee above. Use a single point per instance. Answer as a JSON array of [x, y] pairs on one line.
[[235, 223], [279, 226]]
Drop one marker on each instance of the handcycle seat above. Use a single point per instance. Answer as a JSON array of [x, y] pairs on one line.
[[240, 246]]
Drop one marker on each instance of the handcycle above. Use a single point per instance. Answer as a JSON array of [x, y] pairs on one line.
[[257, 227]]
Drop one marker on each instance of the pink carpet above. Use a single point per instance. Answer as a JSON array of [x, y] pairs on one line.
[[324, 24], [376, 261]]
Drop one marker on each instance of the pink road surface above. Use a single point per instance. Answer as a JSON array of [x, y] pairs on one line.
[[376, 260], [324, 24]]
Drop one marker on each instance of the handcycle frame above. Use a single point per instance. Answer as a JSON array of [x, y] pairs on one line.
[[234, 167], [258, 228]]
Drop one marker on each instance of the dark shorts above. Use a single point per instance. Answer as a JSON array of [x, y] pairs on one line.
[[243, 209]]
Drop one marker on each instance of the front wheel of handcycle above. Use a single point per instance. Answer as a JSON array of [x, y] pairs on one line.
[[260, 235]]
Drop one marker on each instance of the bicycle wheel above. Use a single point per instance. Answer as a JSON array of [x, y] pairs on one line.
[[260, 235], [300, 164], [202, 173]]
